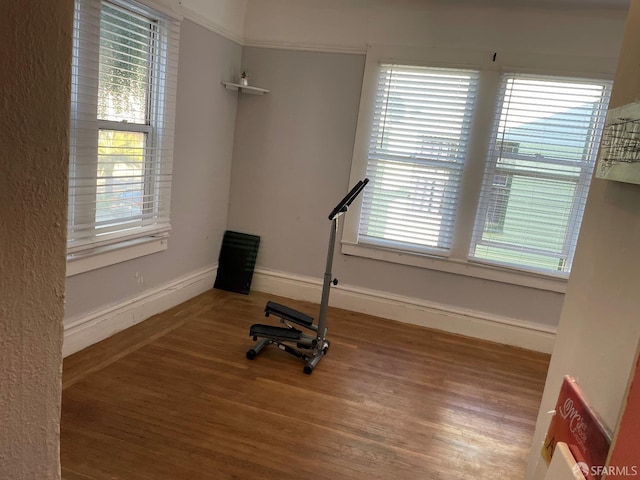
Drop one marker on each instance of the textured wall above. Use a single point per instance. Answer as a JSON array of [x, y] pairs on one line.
[[35, 43]]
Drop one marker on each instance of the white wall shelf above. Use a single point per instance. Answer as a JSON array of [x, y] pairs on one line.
[[244, 88]]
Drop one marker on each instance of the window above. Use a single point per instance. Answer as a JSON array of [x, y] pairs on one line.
[[417, 152], [122, 110], [543, 150], [474, 171]]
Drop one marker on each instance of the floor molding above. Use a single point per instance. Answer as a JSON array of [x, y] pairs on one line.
[[85, 330], [415, 311]]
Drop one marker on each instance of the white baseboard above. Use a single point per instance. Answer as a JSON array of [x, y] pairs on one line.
[[87, 329], [415, 311]]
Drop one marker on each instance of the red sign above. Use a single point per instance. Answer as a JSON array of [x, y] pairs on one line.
[[575, 423], [625, 456]]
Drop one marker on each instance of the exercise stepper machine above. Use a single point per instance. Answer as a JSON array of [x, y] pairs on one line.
[[309, 347]]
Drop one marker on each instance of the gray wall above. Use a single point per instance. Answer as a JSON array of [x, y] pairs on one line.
[[35, 61], [291, 164], [292, 152], [205, 119]]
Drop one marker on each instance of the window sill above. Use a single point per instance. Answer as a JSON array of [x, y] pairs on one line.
[[110, 255], [458, 267]]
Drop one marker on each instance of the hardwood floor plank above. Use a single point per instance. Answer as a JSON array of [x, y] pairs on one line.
[[176, 398]]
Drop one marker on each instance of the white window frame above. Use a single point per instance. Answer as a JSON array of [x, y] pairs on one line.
[[395, 152], [490, 67], [582, 181], [119, 247]]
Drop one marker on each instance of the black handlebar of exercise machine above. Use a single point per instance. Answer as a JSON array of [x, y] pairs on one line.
[[344, 204]]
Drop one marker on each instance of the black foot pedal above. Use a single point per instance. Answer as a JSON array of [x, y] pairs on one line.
[[269, 331], [288, 314]]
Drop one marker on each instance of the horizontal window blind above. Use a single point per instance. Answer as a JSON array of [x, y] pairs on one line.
[[542, 153], [122, 119], [417, 151]]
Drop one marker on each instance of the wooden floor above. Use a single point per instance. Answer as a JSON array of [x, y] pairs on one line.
[[175, 398]]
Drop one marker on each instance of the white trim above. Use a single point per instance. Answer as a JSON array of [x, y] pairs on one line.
[[320, 48], [580, 66], [89, 328], [459, 267], [112, 254], [485, 326], [209, 24], [169, 12]]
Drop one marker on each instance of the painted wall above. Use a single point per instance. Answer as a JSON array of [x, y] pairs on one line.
[[292, 158], [293, 147], [35, 41], [222, 16], [205, 119], [285, 138], [349, 25], [225, 17], [292, 153], [599, 329]]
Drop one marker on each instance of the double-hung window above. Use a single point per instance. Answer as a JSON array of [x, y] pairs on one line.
[[475, 168], [417, 152], [542, 153], [123, 101]]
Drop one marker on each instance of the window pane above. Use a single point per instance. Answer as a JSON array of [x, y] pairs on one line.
[[124, 66], [410, 203], [417, 151], [122, 123], [120, 192], [542, 154]]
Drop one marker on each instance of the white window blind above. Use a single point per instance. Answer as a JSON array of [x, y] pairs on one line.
[[542, 153], [417, 152], [122, 114]]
